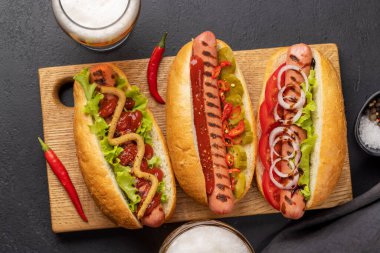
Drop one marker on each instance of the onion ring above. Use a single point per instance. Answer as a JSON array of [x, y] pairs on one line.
[[293, 67], [296, 150], [290, 185], [282, 129], [285, 105], [279, 173]]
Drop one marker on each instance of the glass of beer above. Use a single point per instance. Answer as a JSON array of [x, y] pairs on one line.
[[99, 25], [206, 236]]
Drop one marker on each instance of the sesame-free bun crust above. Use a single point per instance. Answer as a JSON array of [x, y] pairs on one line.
[[98, 175], [180, 128], [327, 158]]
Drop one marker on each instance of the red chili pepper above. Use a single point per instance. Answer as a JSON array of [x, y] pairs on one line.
[[227, 109], [228, 142], [216, 72], [63, 176], [223, 85], [152, 71], [225, 64], [229, 160], [233, 170], [239, 129], [232, 183]]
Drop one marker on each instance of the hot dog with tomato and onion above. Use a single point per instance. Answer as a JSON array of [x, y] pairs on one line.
[[121, 150], [210, 124], [302, 130]]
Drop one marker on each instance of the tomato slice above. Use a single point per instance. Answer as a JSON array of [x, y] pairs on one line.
[[267, 121], [271, 192], [271, 90], [264, 150]]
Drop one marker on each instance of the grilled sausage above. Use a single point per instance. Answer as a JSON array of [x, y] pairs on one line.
[[220, 197], [292, 203]]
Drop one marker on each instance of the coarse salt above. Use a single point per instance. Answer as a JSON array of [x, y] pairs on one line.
[[369, 132]]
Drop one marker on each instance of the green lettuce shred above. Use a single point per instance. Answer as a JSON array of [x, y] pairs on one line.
[[307, 146], [155, 161], [161, 189], [127, 183]]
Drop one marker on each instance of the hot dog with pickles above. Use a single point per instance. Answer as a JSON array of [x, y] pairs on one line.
[[210, 124]]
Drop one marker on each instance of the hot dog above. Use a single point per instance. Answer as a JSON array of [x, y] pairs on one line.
[[302, 131], [121, 150], [210, 124]]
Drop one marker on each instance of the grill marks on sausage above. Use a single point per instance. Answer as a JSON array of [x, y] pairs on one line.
[[222, 186], [210, 95], [221, 176], [208, 54], [207, 73], [288, 200], [212, 115], [218, 155], [204, 43], [209, 64], [214, 125], [211, 85], [222, 197], [211, 104], [220, 165], [216, 146], [215, 136], [294, 58]]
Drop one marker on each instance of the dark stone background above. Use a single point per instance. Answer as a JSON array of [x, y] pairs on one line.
[[30, 38]]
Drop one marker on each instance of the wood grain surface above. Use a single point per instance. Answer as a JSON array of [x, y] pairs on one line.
[[58, 133]]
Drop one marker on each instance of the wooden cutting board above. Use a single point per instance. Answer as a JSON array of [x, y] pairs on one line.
[[58, 133]]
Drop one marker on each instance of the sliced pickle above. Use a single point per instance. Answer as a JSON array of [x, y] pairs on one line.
[[247, 137], [235, 85], [234, 99], [240, 185], [226, 54], [247, 126], [240, 157]]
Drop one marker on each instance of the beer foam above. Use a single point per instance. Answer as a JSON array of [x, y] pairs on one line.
[[202, 239], [96, 21], [94, 13]]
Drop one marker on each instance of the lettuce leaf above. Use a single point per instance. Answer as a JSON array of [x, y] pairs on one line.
[[145, 128], [99, 127], [120, 83], [127, 183], [92, 106], [141, 101], [307, 146], [83, 78]]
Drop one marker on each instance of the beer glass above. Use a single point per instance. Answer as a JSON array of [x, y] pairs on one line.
[[99, 25]]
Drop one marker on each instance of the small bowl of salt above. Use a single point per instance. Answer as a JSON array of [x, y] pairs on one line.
[[367, 126]]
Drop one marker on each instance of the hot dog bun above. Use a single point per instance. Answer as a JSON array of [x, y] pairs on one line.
[[181, 134], [327, 158], [98, 175]]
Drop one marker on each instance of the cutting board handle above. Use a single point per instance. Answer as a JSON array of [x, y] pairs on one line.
[[55, 99]]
